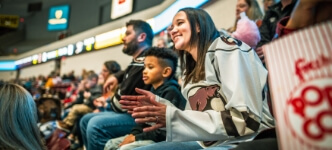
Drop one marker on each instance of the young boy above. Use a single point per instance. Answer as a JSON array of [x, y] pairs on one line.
[[159, 69]]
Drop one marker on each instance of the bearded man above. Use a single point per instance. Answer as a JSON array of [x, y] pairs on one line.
[[98, 128]]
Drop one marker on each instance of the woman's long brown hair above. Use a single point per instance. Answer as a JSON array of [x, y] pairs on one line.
[[198, 18]]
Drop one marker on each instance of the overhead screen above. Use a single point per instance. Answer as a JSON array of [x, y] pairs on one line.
[[58, 18]]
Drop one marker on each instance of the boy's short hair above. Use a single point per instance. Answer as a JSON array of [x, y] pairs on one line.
[[166, 58]]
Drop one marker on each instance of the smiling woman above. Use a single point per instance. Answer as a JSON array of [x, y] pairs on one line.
[[223, 84], [180, 31]]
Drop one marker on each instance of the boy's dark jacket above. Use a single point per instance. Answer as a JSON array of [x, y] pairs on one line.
[[170, 90]]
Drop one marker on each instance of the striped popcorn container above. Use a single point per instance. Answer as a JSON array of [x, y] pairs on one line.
[[300, 79]]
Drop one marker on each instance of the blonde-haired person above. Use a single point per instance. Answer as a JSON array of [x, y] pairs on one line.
[[18, 121], [248, 16], [252, 10]]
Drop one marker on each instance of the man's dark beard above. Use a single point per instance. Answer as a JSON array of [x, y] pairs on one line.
[[132, 47]]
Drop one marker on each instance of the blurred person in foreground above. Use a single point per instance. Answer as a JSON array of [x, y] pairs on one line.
[[306, 13], [18, 121]]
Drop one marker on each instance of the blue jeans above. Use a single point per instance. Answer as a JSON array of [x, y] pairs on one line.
[[98, 128], [192, 145]]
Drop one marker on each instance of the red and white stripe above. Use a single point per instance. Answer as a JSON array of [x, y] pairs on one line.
[[280, 55]]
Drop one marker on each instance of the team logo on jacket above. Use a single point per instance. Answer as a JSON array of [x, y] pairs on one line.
[[231, 41], [203, 98]]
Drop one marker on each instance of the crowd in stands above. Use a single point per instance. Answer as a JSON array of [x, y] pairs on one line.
[[143, 106]]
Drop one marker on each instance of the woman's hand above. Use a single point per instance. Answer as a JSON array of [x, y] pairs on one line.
[[156, 114], [145, 109], [101, 79], [131, 102], [110, 84]]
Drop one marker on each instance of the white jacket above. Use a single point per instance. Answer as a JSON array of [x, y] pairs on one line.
[[229, 103]]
